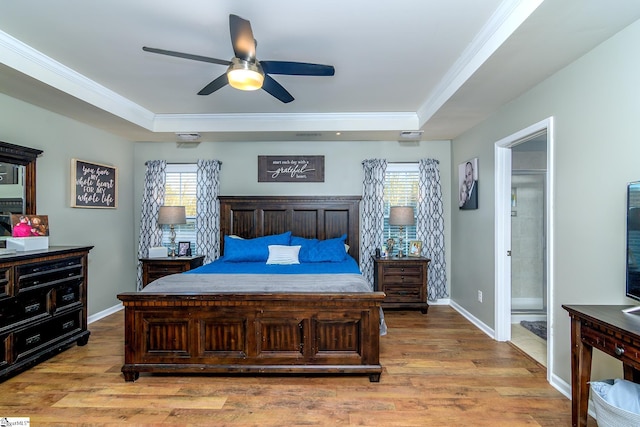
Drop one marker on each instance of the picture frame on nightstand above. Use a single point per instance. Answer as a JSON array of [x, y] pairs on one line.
[[415, 248], [184, 248]]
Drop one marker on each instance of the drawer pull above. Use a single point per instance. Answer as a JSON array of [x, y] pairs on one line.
[[67, 325], [68, 297], [32, 340], [619, 350], [32, 307]]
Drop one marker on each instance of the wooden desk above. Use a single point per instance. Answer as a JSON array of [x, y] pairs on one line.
[[608, 329]]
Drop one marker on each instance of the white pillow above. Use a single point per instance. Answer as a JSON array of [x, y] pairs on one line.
[[280, 254]]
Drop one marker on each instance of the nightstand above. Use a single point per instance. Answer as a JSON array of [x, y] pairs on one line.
[[403, 280], [155, 268]]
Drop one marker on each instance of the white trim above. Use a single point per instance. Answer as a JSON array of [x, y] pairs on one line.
[[471, 318], [104, 313], [502, 24], [503, 232], [502, 242]]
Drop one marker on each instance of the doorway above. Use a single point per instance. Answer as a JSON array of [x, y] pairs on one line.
[[528, 247], [524, 191]]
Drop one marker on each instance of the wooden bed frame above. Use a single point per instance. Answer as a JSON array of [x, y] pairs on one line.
[[276, 333]]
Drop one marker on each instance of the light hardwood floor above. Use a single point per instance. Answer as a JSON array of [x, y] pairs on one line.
[[439, 370]]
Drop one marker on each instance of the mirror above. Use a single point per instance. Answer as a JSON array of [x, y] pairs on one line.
[[18, 178]]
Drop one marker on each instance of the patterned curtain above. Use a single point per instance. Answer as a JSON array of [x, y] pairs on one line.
[[430, 226], [372, 214], [152, 199], [208, 216]]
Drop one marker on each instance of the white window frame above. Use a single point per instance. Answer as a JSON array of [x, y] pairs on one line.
[[409, 232], [186, 232]]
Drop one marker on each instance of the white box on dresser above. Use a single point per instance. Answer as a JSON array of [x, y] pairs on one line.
[[28, 243]]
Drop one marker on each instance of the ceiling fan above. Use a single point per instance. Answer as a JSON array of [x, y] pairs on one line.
[[244, 71]]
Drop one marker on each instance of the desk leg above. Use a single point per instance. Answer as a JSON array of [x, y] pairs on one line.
[[580, 375]]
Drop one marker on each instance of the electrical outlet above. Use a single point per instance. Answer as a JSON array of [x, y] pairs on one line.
[[479, 296]]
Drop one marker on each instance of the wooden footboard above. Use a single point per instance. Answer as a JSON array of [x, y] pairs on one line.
[[300, 333]]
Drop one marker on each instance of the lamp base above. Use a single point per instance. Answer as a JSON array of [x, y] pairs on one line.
[[400, 254]]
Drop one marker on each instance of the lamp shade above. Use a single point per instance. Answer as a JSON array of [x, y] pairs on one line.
[[401, 215], [172, 215]]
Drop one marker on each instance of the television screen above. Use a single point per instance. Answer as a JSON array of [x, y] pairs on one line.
[[633, 240]]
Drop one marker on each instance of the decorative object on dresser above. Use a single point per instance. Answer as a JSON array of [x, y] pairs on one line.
[[155, 268], [401, 216], [43, 305], [403, 280], [172, 216]]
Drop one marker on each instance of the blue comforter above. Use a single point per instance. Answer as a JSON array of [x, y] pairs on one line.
[[220, 266]]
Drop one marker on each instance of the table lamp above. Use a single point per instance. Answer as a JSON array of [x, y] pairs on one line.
[[171, 216], [401, 216]]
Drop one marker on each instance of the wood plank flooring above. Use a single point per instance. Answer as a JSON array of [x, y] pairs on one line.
[[439, 370]]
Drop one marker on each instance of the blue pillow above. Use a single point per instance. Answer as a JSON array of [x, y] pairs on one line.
[[305, 245], [252, 250], [330, 250]]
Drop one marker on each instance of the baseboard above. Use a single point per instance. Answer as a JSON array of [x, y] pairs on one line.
[[471, 318], [104, 313], [441, 301]]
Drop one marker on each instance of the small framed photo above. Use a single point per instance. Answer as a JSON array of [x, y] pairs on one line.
[[184, 248], [415, 248]]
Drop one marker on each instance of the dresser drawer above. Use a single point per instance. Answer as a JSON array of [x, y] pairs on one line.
[[612, 345], [67, 295], [161, 270], [26, 307], [49, 273], [399, 274], [5, 282], [402, 293], [31, 339]]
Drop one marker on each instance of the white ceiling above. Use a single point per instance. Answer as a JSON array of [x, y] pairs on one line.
[[441, 66]]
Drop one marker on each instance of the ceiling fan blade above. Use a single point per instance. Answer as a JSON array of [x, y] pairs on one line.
[[297, 68], [244, 45], [276, 89], [186, 55], [218, 83]]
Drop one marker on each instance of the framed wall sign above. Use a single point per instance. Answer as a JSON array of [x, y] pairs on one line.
[[290, 168], [93, 185]]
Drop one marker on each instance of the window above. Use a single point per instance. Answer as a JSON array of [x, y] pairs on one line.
[[180, 190], [400, 189]]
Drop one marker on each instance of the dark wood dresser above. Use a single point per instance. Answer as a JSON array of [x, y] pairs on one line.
[[403, 280], [43, 305], [155, 268]]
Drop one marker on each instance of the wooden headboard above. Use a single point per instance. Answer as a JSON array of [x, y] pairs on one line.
[[320, 217]]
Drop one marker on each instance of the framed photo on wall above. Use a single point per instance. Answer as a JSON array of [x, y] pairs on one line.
[[468, 184]]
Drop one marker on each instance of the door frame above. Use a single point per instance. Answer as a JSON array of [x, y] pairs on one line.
[[502, 157]]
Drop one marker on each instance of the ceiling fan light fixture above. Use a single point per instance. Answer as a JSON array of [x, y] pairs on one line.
[[245, 75]]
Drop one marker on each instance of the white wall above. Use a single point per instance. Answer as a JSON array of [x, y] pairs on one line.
[[595, 102], [343, 167], [110, 231]]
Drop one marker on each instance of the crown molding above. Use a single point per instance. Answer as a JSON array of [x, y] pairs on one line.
[[502, 24], [31, 62], [286, 122]]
